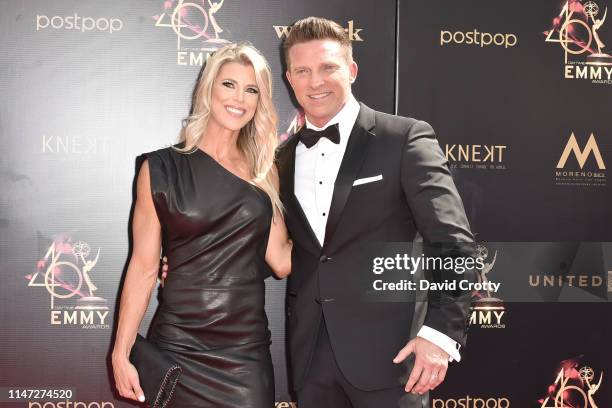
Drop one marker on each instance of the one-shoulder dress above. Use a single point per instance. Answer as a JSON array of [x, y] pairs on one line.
[[211, 318]]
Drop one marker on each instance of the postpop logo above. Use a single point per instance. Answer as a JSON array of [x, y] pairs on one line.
[[71, 404], [475, 37], [78, 23], [471, 402]]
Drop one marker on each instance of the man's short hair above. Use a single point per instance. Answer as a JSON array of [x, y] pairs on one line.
[[317, 28]]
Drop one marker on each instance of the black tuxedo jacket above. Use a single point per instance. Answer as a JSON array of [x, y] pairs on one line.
[[416, 193]]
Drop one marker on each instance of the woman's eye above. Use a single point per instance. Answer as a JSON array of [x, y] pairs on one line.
[[253, 90], [228, 84]]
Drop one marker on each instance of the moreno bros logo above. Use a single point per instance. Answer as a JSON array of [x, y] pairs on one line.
[[78, 23], [475, 37], [581, 155], [585, 174]]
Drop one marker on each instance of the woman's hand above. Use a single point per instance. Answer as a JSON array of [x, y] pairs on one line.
[[126, 379], [278, 253]]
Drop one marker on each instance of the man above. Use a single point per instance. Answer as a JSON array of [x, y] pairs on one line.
[[353, 176]]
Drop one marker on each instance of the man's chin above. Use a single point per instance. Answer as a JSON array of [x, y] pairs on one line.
[[318, 116]]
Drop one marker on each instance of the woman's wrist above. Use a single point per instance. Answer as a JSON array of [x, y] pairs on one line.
[[120, 354]]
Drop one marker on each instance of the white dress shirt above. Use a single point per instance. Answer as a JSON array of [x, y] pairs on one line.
[[315, 174]]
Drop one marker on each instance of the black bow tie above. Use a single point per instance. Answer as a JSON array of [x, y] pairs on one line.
[[310, 137]]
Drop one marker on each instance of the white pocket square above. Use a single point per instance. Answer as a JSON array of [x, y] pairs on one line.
[[368, 180]]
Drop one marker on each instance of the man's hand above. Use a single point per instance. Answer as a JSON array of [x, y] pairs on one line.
[[430, 365], [164, 270]]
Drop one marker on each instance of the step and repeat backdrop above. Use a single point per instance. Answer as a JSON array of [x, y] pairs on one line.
[[520, 94]]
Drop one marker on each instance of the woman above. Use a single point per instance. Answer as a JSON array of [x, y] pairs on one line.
[[214, 203]]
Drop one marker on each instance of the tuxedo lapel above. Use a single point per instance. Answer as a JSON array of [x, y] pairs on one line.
[[352, 161], [294, 211]]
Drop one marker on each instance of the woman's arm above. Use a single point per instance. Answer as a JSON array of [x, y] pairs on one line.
[[278, 253], [139, 283]]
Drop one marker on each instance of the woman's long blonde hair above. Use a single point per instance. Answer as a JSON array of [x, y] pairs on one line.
[[257, 140]]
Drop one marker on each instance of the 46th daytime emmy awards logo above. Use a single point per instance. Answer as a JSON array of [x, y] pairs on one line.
[[577, 29], [566, 172], [573, 387], [197, 31], [65, 272], [487, 311]]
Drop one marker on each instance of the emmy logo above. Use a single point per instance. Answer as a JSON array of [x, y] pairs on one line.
[[573, 389], [487, 310], [296, 123], [598, 58], [577, 28], [482, 275], [191, 21], [64, 279]]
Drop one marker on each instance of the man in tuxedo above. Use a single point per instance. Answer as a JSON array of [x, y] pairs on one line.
[[349, 177]]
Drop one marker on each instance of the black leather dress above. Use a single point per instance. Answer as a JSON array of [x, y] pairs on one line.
[[211, 317]]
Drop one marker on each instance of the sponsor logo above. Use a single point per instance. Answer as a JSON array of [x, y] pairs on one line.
[[70, 404], [197, 30], [576, 29], [567, 174], [78, 23], [471, 402], [355, 34], [78, 145], [478, 38], [65, 271], [573, 386], [579, 281], [476, 156], [487, 311], [581, 155]]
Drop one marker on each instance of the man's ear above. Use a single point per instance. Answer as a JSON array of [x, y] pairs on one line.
[[288, 76], [353, 69]]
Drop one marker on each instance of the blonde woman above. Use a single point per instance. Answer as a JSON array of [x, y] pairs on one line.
[[213, 202]]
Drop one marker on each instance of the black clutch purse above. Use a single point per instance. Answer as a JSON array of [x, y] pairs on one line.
[[157, 372]]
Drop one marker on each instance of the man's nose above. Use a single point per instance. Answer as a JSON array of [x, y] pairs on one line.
[[316, 80]]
